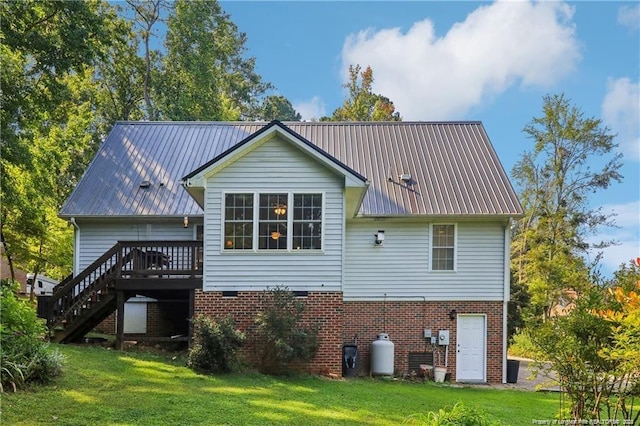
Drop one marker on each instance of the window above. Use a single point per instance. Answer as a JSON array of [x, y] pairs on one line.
[[272, 226], [238, 221], [443, 239], [307, 221], [273, 221]]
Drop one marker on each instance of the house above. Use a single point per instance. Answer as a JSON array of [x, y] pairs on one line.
[[400, 228]]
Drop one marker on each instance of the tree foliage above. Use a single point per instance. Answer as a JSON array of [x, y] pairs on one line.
[[123, 77], [362, 104], [595, 350], [623, 317], [205, 75], [70, 69], [25, 356], [146, 15], [277, 107], [556, 180], [46, 119]]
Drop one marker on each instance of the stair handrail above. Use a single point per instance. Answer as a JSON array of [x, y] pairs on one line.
[[65, 302], [85, 273], [62, 283], [73, 297]]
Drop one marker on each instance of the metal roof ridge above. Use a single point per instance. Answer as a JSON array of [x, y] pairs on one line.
[[376, 123], [306, 123], [208, 123]]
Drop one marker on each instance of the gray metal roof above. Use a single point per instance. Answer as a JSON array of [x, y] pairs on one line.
[[453, 166]]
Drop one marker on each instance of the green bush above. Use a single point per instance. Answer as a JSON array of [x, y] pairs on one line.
[[25, 355], [282, 338], [522, 346], [458, 415], [215, 345]]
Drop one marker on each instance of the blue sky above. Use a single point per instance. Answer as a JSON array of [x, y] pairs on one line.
[[484, 61]]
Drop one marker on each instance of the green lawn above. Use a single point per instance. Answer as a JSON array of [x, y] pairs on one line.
[[106, 387]]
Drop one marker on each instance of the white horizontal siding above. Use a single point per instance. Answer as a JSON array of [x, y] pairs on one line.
[[275, 166], [400, 267], [97, 237]]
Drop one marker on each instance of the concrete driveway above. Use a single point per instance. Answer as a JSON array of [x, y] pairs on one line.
[[526, 381]]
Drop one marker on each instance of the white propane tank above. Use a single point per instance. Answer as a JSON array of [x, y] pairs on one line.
[[382, 356]]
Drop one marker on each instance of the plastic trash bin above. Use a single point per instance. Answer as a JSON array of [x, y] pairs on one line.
[[513, 367], [349, 360]]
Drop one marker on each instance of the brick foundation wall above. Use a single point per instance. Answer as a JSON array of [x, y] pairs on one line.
[[107, 326], [163, 319], [340, 322], [405, 323], [167, 318], [324, 308]]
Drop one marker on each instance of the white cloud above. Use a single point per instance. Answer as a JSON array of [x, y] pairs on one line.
[[628, 235], [313, 109], [629, 16], [432, 78], [621, 112]]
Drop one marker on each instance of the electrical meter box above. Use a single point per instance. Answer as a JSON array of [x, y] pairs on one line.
[[443, 337]]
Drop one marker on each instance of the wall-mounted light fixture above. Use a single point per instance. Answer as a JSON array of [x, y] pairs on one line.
[[185, 221], [452, 314], [379, 237], [280, 209]]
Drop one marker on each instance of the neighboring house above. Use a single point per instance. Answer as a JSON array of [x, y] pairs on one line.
[[400, 228], [565, 304]]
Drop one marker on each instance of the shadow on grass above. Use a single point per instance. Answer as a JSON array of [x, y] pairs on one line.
[[101, 387]]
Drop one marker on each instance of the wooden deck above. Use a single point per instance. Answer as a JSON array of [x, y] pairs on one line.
[[130, 267]]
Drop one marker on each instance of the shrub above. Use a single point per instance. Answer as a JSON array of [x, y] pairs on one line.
[[522, 345], [572, 347], [215, 345], [281, 336], [25, 355], [458, 415]]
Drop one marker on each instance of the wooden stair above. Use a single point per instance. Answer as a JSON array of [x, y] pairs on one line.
[[80, 303]]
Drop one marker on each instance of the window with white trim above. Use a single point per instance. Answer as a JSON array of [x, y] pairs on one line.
[[273, 221], [238, 221], [307, 221], [443, 250]]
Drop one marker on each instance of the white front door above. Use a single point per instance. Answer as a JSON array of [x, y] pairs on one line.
[[471, 350]]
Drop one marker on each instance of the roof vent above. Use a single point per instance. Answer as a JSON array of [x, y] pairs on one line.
[[145, 184], [405, 177]]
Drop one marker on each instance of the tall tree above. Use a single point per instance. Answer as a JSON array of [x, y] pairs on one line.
[[277, 107], [362, 104], [147, 14], [45, 50], [121, 77], [206, 76], [556, 180]]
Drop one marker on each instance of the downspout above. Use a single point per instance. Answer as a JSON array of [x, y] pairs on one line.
[[76, 246], [506, 295]]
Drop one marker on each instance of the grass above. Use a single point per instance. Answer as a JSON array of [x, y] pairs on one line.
[[107, 387]]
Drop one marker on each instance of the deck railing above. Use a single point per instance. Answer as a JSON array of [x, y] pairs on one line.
[[157, 260]]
